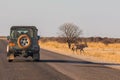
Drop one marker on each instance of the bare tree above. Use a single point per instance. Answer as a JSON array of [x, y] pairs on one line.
[[71, 32]]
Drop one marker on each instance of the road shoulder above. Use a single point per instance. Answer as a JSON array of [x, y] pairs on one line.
[[88, 58]]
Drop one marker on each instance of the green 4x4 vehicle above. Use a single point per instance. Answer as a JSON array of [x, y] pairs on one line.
[[23, 41]]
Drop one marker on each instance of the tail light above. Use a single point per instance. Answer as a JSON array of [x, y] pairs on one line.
[[11, 44]]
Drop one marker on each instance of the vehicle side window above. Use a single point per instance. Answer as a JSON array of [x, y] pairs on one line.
[[12, 34], [31, 32], [35, 33]]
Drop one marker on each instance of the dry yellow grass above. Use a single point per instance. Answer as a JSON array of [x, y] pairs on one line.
[[100, 51], [61, 47]]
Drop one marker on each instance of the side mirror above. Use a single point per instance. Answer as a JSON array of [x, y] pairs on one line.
[[8, 37], [38, 37]]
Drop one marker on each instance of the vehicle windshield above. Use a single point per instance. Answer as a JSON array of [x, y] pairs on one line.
[[16, 33]]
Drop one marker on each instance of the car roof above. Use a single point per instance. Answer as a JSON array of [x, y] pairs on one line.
[[15, 27]]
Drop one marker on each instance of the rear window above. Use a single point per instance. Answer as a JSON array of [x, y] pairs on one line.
[[18, 32]]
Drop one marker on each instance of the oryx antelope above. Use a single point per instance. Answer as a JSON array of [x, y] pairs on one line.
[[77, 46]]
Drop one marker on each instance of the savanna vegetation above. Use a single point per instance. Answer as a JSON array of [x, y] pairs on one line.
[[107, 49]]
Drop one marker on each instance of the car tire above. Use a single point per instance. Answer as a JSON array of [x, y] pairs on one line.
[[24, 41], [36, 57], [10, 60], [10, 57]]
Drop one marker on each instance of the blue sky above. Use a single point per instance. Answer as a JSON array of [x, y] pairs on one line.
[[94, 17]]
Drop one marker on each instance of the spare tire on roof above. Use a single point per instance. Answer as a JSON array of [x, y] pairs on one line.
[[23, 41]]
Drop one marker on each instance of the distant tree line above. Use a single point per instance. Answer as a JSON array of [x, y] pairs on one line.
[[2, 36], [104, 40]]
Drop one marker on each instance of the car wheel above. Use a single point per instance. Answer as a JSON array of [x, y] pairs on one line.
[[36, 56], [24, 41], [10, 57], [10, 60]]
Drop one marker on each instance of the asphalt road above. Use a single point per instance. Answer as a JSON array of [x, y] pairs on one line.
[[53, 66]]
